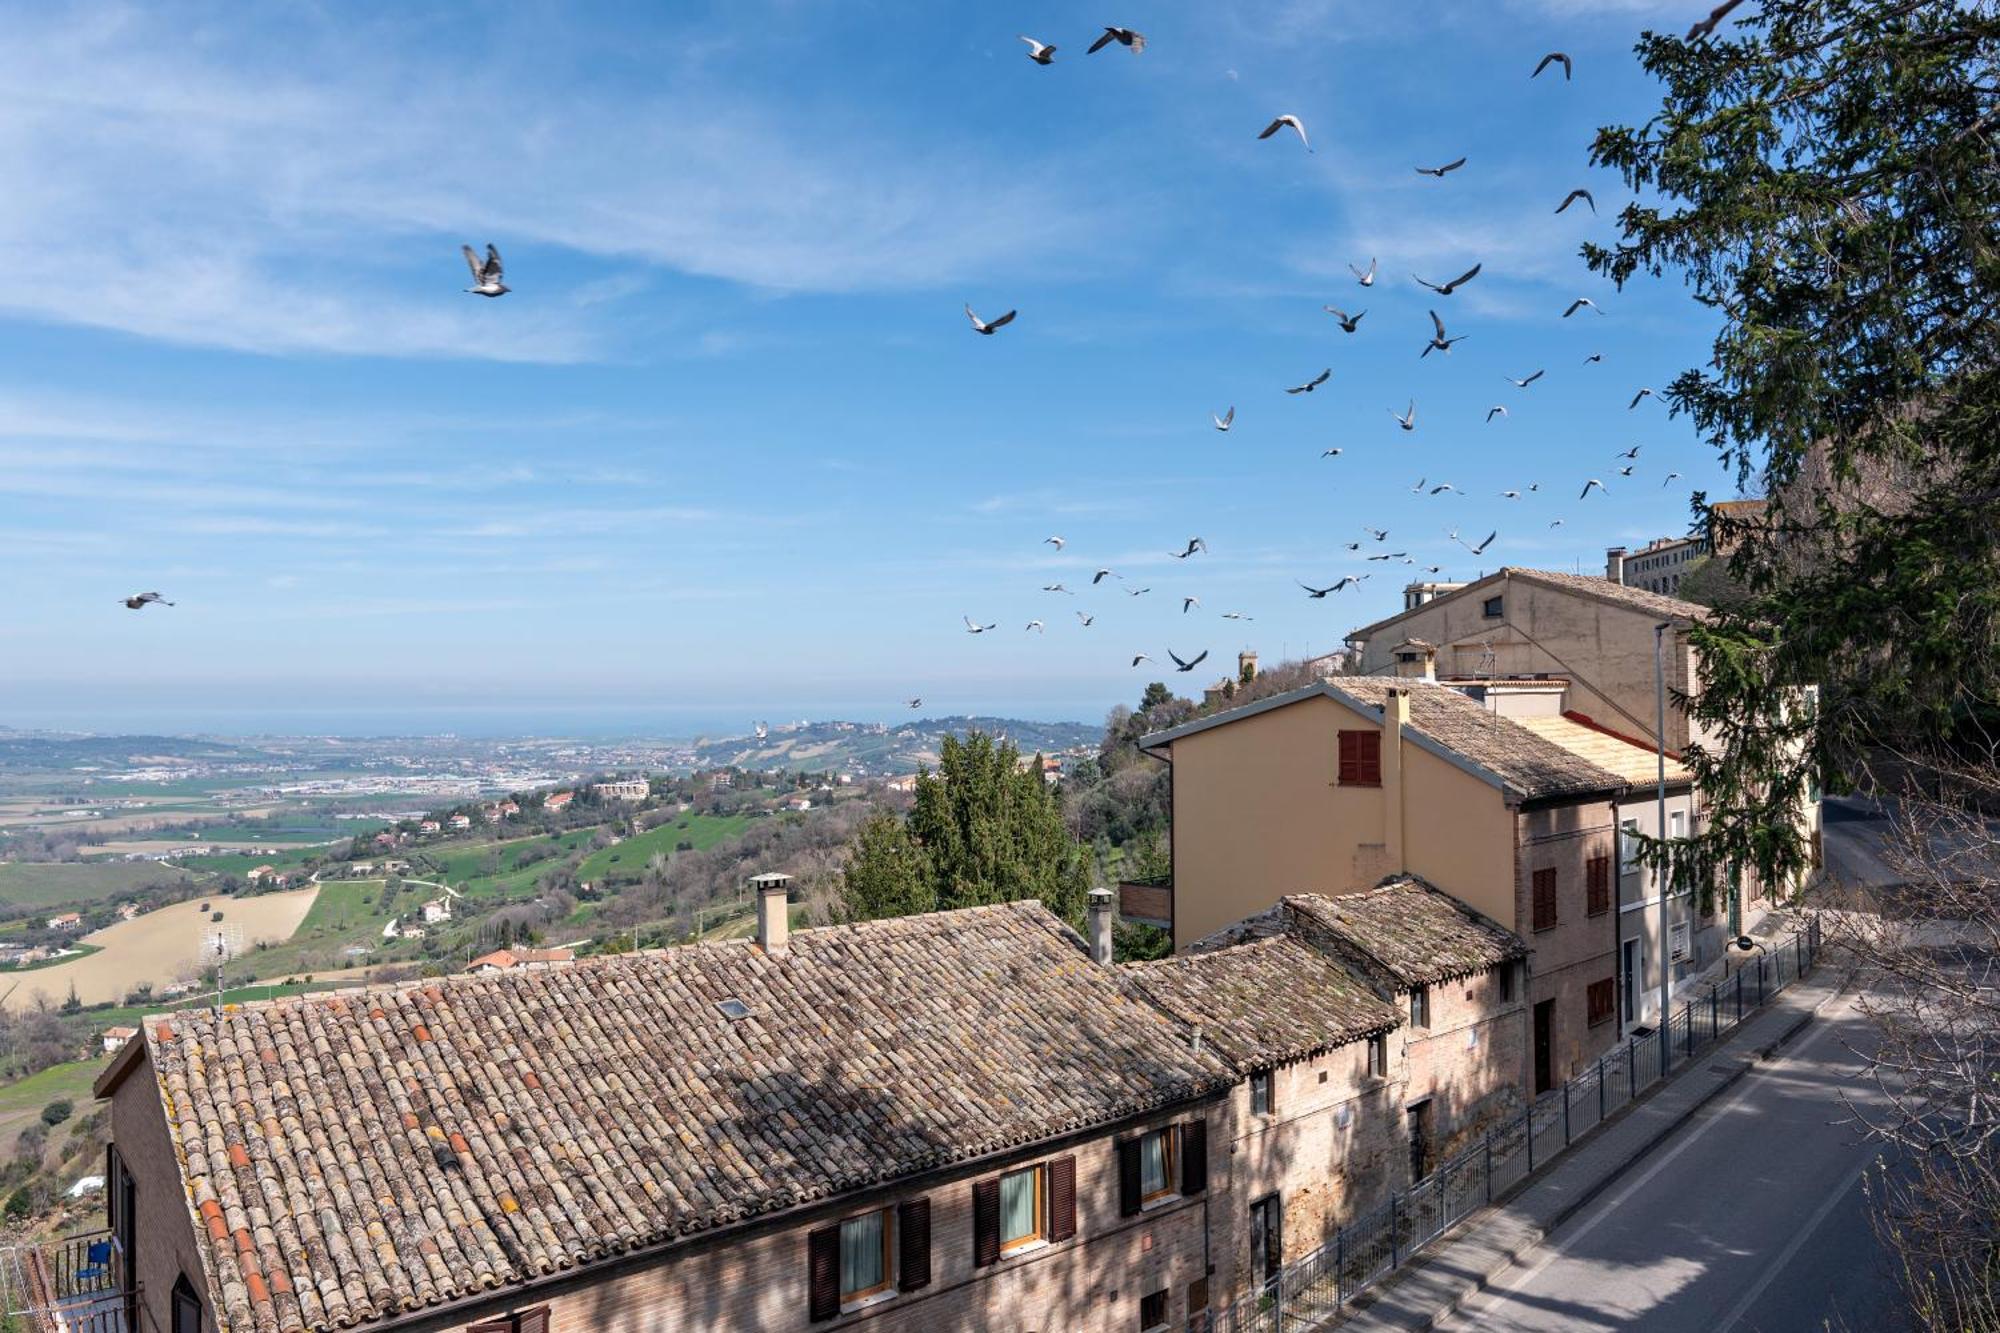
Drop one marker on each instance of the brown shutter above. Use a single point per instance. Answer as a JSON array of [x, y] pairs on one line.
[[1371, 758], [823, 1273], [1128, 1178], [1350, 770], [913, 1243], [1598, 885], [985, 1222], [1194, 1157], [1545, 899], [492, 1326], [111, 1190], [1062, 1198], [532, 1321]]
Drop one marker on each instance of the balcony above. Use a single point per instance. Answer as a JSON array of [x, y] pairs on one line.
[[76, 1284]]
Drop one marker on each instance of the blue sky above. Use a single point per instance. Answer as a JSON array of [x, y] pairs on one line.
[[729, 447]]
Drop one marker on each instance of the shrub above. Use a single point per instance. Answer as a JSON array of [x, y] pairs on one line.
[[215, 916], [19, 1204], [56, 1112]]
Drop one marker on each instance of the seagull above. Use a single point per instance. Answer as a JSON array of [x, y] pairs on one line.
[[1126, 37], [1578, 304], [1319, 594], [1438, 342], [139, 601], [1440, 171], [1408, 421], [1707, 26], [1495, 411], [1353, 546], [1575, 195], [1365, 279], [1102, 575], [1625, 471], [1386, 555], [1522, 384], [981, 326], [1329, 453], [1643, 393], [1137, 592], [1348, 322], [1189, 603], [974, 627], [1593, 358], [1433, 569], [1379, 534], [1034, 625], [1510, 495], [1558, 523], [1188, 666], [917, 702], [1588, 484], [1633, 452], [1418, 489], [1553, 57], [1140, 657], [1226, 420], [1056, 587], [1534, 486], [1448, 288], [1085, 619], [1442, 487], [1236, 615], [1283, 121], [1313, 383], [1672, 477], [1481, 548], [1039, 52], [486, 276], [1194, 544], [1057, 542]]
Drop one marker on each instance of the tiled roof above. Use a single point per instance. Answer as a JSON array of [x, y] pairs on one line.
[[1588, 585], [1528, 764], [1635, 761], [354, 1155], [1267, 1000], [1407, 931]]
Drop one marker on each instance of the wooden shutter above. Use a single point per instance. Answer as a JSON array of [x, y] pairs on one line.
[[1545, 899], [1062, 1198], [111, 1190], [985, 1222], [492, 1326], [1194, 1157], [913, 1243], [823, 1273], [1128, 1178], [532, 1321], [1597, 885], [1360, 758]]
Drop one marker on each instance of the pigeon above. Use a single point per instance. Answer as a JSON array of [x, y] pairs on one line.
[[1672, 477], [1236, 615], [917, 702], [1707, 26], [1586, 488], [1194, 544], [1189, 603], [1575, 195], [982, 326], [1481, 548], [1140, 657], [1408, 421], [1313, 383], [1522, 384], [1578, 304], [1056, 587], [1319, 594], [1495, 411], [1448, 288], [1643, 393], [1552, 58], [1102, 575], [1280, 124], [1226, 420], [1137, 592], [1593, 358], [1034, 625], [486, 275], [1439, 172], [974, 627], [1133, 41], [1438, 342], [1633, 452], [1087, 620], [140, 601], [1348, 322], [1188, 666], [1057, 542], [1329, 453], [1365, 279], [1039, 52]]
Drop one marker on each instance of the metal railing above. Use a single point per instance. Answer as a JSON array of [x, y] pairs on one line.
[[75, 1284], [1312, 1290]]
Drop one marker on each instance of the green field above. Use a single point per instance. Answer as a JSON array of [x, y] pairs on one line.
[[466, 867], [628, 859], [235, 864], [27, 885], [129, 1015], [70, 1082]]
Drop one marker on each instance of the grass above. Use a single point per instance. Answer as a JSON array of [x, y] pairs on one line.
[[242, 864], [628, 859], [130, 1014], [463, 867], [70, 1082], [26, 885], [76, 950]]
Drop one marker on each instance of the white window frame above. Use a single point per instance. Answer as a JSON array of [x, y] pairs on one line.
[[1628, 847]]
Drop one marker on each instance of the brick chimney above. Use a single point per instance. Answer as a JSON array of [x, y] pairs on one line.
[[1395, 717], [1614, 564], [1100, 926], [774, 923]]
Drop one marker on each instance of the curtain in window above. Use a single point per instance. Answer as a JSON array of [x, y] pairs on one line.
[[1017, 1207], [861, 1254], [1153, 1164]]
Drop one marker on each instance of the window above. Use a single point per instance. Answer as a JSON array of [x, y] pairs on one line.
[[1420, 1006], [1378, 1056], [1545, 899], [1153, 1310], [1020, 1208], [1628, 846], [1597, 885], [1360, 758], [864, 1255], [1601, 1000], [1162, 1164], [1506, 972], [1680, 942], [1495, 607], [1156, 1165], [186, 1307], [1260, 1093]]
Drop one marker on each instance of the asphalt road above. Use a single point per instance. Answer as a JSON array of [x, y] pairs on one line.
[[1749, 1219]]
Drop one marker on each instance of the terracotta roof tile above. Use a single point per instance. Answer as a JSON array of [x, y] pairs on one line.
[[1406, 931], [1529, 764]]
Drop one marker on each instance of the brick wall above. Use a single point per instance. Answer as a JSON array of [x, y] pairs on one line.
[[165, 1231], [1469, 1060], [1581, 948]]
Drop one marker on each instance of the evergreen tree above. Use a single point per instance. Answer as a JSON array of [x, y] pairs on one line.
[[887, 873]]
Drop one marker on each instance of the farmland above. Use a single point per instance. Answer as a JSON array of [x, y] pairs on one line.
[[628, 859], [27, 886], [499, 870]]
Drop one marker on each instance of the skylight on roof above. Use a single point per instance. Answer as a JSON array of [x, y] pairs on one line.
[[733, 1008]]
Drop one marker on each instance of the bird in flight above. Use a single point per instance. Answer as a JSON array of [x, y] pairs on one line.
[[1056, 587], [1236, 615], [1039, 52], [1087, 620], [974, 627], [1379, 534], [1510, 495], [1553, 58], [1319, 594], [917, 702], [1034, 625], [1593, 358], [1706, 26], [1438, 342], [1481, 548], [1329, 453], [1578, 304], [1281, 122], [1586, 488], [1365, 279], [1633, 452], [1057, 542], [1558, 523], [1348, 323], [141, 600], [1418, 489], [1226, 420], [1140, 657], [1672, 477], [1442, 487], [1625, 471], [1408, 421], [1522, 384], [486, 274], [1353, 546], [1194, 544], [1643, 393], [1133, 41], [1313, 383], [1137, 592], [1448, 288], [1495, 411], [1102, 575], [1189, 603], [1385, 555], [1439, 172], [1575, 195], [1188, 666], [982, 326]]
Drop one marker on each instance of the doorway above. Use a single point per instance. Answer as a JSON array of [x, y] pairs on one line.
[[1420, 1140], [1267, 1238], [1545, 1043]]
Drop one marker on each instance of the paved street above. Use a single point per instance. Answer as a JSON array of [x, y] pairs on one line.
[[1749, 1219]]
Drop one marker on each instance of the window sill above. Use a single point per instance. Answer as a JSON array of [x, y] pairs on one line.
[[868, 1302], [1025, 1247], [1148, 1205]]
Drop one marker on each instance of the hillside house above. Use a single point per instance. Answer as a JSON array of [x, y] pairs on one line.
[[114, 1038], [459, 822], [361, 869], [630, 789], [436, 910], [500, 960], [128, 911], [799, 803], [66, 921], [557, 800], [430, 826]]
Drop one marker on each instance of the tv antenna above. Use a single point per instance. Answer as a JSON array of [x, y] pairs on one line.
[[219, 943]]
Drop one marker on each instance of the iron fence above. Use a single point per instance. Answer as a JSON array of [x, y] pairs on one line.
[[75, 1284], [1308, 1292]]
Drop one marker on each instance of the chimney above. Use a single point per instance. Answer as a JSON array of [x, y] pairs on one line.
[[1614, 564], [1416, 660], [1100, 926], [774, 924], [1395, 716]]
